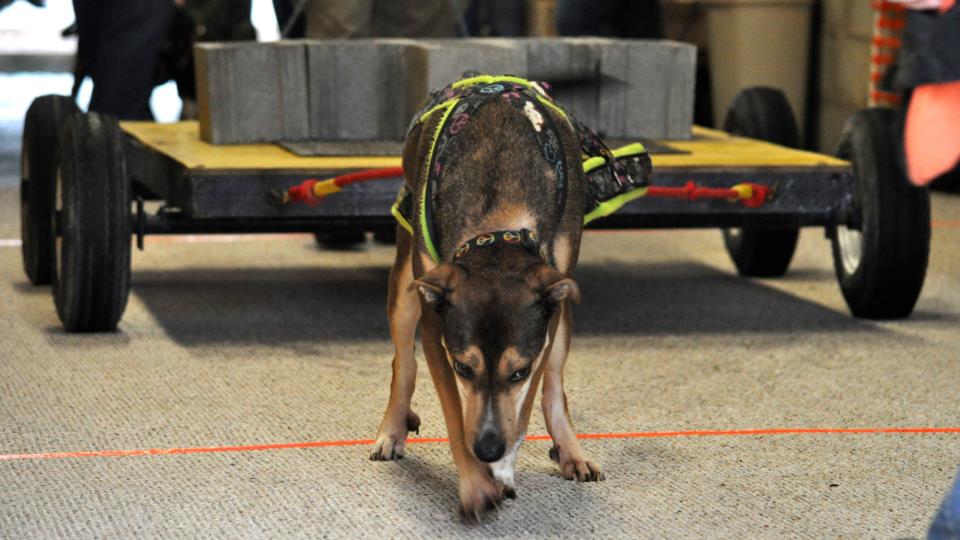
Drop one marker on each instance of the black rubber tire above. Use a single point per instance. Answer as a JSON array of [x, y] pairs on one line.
[[764, 114], [91, 280], [385, 236], [895, 221], [39, 154], [341, 240]]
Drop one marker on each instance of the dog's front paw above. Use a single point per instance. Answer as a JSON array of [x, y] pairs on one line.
[[387, 448], [577, 467], [479, 495], [390, 444], [582, 470]]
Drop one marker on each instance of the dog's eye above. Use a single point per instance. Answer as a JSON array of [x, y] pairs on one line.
[[463, 370], [520, 374]]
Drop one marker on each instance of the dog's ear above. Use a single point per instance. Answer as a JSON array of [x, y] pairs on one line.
[[565, 288], [436, 284], [554, 285]]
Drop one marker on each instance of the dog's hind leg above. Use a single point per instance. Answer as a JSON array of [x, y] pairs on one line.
[[566, 450], [403, 312]]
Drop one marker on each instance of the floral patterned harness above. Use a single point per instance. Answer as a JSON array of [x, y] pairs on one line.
[[614, 177]]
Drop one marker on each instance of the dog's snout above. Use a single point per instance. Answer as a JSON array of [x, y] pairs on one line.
[[489, 447]]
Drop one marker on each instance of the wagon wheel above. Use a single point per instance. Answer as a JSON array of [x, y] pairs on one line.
[[91, 279], [347, 239], [881, 264], [765, 114], [38, 169]]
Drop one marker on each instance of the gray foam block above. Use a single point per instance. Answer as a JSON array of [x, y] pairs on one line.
[[252, 92], [572, 68], [437, 63], [369, 89], [359, 89], [646, 89]]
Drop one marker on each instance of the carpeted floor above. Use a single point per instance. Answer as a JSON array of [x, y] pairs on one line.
[[271, 340]]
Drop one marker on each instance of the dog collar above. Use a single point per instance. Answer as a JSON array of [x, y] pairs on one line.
[[524, 237]]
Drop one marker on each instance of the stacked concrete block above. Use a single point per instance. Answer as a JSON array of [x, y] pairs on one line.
[[359, 89], [620, 88], [437, 63], [572, 68], [646, 89], [252, 92], [369, 89]]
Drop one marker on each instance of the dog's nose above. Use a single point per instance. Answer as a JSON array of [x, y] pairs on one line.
[[489, 447]]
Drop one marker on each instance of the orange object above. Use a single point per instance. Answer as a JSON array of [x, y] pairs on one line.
[[932, 131]]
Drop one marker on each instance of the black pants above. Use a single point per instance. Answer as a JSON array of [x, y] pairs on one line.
[[119, 45], [618, 18]]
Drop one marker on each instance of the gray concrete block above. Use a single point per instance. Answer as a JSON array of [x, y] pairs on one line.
[[369, 89], [252, 92], [359, 90], [646, 89], [437, 63], [572, 68]]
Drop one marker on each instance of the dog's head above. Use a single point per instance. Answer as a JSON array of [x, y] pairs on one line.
[[495, 320]]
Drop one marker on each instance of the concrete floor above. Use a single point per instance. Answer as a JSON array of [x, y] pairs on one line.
[[270, 340]]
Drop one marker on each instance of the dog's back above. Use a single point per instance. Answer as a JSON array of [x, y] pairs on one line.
[[497, 177]]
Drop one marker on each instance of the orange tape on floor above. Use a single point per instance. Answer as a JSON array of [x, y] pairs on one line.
[[427, 440]]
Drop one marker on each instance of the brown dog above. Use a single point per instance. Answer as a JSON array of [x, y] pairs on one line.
[[500, 194]]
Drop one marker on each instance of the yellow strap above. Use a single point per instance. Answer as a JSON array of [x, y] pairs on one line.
[[398, 215], [612, 205], [627, 150], [490, 79], [424, 226]]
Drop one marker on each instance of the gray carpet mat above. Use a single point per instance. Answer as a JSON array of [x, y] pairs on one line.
[[262, 341]]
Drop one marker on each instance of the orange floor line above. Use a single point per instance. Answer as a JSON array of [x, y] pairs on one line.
[[424, 440]]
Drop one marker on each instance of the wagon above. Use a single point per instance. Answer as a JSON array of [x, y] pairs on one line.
[[87, 178]]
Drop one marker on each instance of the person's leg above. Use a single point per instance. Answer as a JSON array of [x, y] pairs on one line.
[[496, 18], [413, 18], [638, 19], [125, 51], [286, 10], [328, 19], [585, 17]]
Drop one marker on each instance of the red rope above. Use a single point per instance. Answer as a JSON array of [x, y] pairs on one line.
[[308, 192], [692, 192], [304, 192], [371, 174]]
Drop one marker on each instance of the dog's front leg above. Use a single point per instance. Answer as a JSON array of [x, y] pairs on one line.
[[478, 491], [403, 312], [566, 450]]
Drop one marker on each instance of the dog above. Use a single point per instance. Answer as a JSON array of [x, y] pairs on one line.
[[497, 196]]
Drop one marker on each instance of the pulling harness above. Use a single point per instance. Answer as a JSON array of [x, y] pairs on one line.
[[613, 177]]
